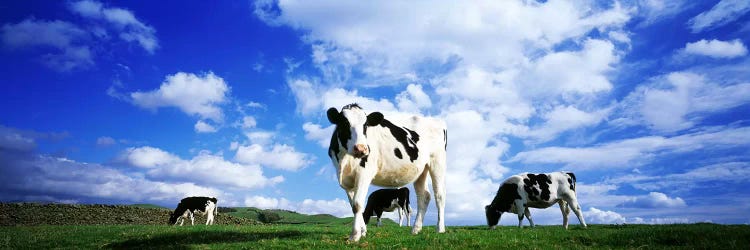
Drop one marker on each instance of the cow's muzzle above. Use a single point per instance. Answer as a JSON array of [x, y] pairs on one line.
[[360, 150]]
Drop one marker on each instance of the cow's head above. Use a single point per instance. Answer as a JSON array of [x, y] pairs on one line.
[[493, 215], [172, 218], [351, 127]]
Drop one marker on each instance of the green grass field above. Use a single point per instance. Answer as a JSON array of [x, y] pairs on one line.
[[333, 236]]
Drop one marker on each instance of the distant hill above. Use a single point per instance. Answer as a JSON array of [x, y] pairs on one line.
[[13, 214], [277, 216]]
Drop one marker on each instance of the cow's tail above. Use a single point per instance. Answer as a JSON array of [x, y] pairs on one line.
[[572, 176]]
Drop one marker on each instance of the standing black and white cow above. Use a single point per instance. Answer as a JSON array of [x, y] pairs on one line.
[[520, 192], [370, 149], [190, 205], [389, 200]]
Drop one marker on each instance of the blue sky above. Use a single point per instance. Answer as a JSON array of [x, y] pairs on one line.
[[134, 102]]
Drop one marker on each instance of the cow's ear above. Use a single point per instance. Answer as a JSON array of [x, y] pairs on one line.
[[333, 115], [374, 118]]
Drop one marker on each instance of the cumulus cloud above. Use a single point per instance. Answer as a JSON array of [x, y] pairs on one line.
[[67, 40], [198, 95], [413, 99], [131, 29], [561, 119], [654, 200], [317, 133], [203, 127], [312, 98], [248, 122], [721, 172], [721, 14], [30, 176], [716, 48], [596, 216], [204, 168], [280, 156], [677, 101]]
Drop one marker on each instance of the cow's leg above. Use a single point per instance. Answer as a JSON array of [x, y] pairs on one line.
[[528, 216], [573, 204], [408, 215], [209, 217], [182, 220], [379, 213], [520, 207], [192, 220], [565, 212], [437, 173], [423, 199], [400, 216], [359, 228]]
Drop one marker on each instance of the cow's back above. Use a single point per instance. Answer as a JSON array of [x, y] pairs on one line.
[[400, 162]]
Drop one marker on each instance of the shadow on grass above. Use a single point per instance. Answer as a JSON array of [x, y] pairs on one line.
[[185, 240]]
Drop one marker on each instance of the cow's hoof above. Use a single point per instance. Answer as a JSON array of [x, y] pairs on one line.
[[441, 229], [416, 230], [354, 238]]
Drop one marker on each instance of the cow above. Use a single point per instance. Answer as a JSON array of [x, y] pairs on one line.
[[388, 152], [190, 205], [389, 200], [520, 192]]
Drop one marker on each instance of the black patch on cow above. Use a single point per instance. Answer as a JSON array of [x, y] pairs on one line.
[[506, 195], [572, 181], [350, 106], [363, 161], [397, 152], [333, 148], [405, 136], [537, 179], [445, 138]]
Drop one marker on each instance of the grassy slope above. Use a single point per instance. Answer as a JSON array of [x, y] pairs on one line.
[[290, 217], [334, 236]]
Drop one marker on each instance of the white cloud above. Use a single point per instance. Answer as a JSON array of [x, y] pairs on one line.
[[132, 29], [654, 200], [573, 72], [312, 98], [67, 39], [317, 133], [677, 100], [562, 119], [722, 172], [653, 11], [248, 122], [267, 203], [60, 177], [716, 48], [281, 156], [721, 14], [204, 169], [260, 137], [413, 99], [484, 33], [193, 94], [105, 141], [203, 127], [596, 216], [147, 157], [633, 152]]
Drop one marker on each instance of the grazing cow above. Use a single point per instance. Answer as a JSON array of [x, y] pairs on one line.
[[389, 200], [370, 149], [188, 206], [520, 192]]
